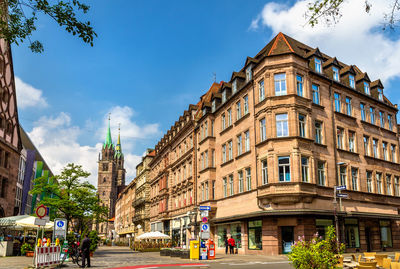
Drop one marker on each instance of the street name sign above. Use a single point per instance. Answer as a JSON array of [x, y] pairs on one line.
[[204, 207], [342, 195], [341, 188]]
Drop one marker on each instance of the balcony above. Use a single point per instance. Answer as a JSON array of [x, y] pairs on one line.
[[288, 193], [138, 217], [138, 202]]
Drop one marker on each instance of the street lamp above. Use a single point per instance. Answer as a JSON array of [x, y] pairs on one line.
[[338, 182]]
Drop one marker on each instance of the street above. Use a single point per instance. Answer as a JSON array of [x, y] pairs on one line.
[[123, 257]]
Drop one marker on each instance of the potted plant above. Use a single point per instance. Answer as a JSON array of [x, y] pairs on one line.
[[95, 239], [27, 249]]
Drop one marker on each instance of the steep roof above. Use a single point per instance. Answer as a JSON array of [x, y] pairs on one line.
[[108, 142]]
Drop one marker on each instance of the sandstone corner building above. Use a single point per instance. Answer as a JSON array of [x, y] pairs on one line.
[[265, 150]]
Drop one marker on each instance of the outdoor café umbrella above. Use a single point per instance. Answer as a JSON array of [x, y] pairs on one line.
[[153, 235]]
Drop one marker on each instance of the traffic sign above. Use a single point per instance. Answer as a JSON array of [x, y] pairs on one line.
[[342, 195], [41, 211], [205, 228], [40, 222], [204, 213], [60, 228], [204, 219], [204, 207], [205, 235], [341, 188]]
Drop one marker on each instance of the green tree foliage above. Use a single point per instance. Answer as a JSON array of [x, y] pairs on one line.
[[329, 11], [317, 253], [19, 18], [95, 240], [70, 197]]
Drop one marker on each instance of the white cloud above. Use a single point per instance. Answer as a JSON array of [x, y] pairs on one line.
[[57, 139], [28, 96], [356, 39]]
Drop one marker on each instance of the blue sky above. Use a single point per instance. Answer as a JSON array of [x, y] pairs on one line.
[[152, 58]]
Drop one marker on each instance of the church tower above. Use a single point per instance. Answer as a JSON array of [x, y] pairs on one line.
[[111, 178]]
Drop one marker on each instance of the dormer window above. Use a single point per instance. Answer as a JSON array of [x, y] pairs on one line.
[[380, 94], [352, 82], [204, 111], [234, 86], [249, 73], [366, 88], [223, 96], [335, 73], [318, 65], [213, 105]]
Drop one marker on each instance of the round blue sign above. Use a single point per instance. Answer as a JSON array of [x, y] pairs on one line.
[[205, 227], [60, 224]]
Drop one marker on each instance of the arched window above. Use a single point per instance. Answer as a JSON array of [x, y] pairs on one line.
[[104, 193], [104, 179]]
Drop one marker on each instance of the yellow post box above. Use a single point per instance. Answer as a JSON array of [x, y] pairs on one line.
[[194, 249]]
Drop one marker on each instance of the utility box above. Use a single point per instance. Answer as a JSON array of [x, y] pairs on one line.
[[194, 249], [203, 254]]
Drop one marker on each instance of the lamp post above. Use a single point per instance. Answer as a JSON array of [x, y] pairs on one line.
[[339, 164]]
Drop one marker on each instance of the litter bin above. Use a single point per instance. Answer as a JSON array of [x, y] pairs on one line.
[[194, 250]]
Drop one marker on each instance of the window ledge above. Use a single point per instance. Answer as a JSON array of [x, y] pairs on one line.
[[262, 142], [382, 160], [260, 102], [318, 106], [206, 138], [370, 124], [227, 162], [206, 169], [320, 145], [345, 115], [226, 129], [242, 118], [347, 151], [243, 154]]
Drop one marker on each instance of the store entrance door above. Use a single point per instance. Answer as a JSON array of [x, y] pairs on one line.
[[368, 238], [287, 238]]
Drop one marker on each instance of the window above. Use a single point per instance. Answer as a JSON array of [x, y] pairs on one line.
[[352, 138], [213, 105], [348, 106], [249, 73], [212, 159], [386, 233], [225, 187], [385, 151], [302, 125], [363, 112], [321, 173], [223, 96], [255, 234], [318, 65], [212, 127], [282, 128], [223, 123], [245, 105], [205, 131], [280, 84], [230, 154], [352, 82], [375, 147], [234, 86], [315, 94], [105, 167], [261, 90], [248, 179], [240, 176], [351, 232], [354, 179], [231, 190], [396, 186], [369, 181], [284, 168], [201, 161], [318, 132], [239, 145], [299, 83], [388, 185], [322, 226], [247, 141], [372, 115], [238, 111], [304, 169], [229, 117], [366, 145], [263, 130], [366, 88], [202, 192], [205, 161], [264, 173], [379, 183], [335, 71], [390, 122], [213, 191], [382, 119], [223, 153], [340, 138], [337, 102], [393, 153], [343, 175]]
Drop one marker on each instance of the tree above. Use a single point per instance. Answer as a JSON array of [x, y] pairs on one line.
[[69, 197], [19, 17], [330, 12]]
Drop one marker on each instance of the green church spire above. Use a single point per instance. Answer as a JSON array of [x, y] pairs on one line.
[[118, 148], [108, 143]]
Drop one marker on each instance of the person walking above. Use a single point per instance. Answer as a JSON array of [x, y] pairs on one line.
[[85, 247], [226, 245], [231, 243]]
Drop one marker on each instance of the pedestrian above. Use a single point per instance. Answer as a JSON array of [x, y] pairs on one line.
[[226, 245], [231, 243], [85, 248]]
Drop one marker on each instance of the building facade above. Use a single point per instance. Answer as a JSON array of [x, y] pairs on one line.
[[111, 181], [125, 212], [270, 146]]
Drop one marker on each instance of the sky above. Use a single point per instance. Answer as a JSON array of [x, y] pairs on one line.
[[153, 58]]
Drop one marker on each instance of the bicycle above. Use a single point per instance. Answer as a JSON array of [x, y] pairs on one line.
[[74, 252]]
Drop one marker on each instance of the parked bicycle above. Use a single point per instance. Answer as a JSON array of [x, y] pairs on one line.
[[74, 252]]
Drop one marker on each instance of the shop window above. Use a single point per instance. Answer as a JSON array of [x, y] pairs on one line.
[[352, 233], [255, 234], [386, 233], [236, 232], [222, 235], [322, 226]]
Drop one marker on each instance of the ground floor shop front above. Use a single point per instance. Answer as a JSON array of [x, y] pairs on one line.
[[275, 235]]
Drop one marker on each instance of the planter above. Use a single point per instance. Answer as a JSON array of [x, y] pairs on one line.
[[185, 254], [29, 254], [175, 253], [164, 252]]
